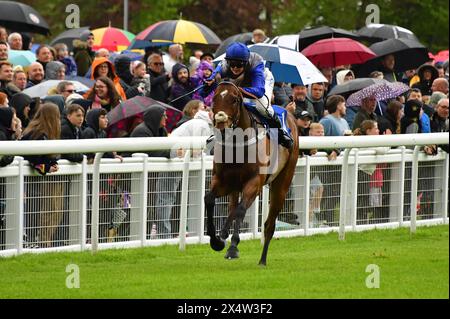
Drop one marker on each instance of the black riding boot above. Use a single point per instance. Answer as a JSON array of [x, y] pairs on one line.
[[284, 138]]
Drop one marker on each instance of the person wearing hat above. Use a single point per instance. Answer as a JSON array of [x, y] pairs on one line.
[[239, 63], [83, 53], [208, 57], [303, 120], [427, 74]]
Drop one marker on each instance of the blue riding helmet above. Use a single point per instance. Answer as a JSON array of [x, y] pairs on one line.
[[237, 51]]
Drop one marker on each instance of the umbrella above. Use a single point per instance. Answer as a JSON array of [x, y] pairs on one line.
[[42, 89], [179, 31], [68, 36], [22, 18], [441, 56], [241, 37], [380, 91], [289, 41], [133, 107], [409, 54], [335, 52], [352, 86], [309, 36], [112, 39], [286, 65], [378, 32], [142, 44], [83, 80], [23, 58]]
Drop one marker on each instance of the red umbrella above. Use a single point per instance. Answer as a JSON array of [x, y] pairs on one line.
[[337, 51], [441, 56]]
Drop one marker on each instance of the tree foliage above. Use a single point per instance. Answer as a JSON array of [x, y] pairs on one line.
[[428, 19]]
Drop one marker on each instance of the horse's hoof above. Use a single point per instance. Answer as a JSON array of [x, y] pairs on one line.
[[232, 253], [262, 263], [217, 244]]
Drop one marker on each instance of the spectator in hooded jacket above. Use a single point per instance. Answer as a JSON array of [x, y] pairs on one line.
[[55, 70], [427, 74], [204, 71], [102, 67], [96, 124], [153, 126], [182, 85]]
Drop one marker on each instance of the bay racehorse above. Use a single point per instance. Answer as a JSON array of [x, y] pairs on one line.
[[243, 177]]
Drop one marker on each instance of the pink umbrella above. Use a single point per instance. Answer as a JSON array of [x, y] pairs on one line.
[[337, 51], [441, 56]]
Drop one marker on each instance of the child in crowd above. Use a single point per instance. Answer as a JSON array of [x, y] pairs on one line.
[[140, 77]]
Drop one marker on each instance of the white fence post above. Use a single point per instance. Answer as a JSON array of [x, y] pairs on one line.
[[354, 191], [343, 199], [307, 194], [201, 199], [143, 197], [83, 203], [184, 200], [444, 189], [19, 207], [414, 186], [95, 202]]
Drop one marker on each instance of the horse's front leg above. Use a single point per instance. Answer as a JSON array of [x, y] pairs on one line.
[[215, 242], [234, 198], [249, 193]]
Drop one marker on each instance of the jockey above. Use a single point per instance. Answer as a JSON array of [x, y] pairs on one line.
[[241, 63]]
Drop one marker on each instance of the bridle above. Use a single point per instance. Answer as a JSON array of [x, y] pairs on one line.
[[235, 120]]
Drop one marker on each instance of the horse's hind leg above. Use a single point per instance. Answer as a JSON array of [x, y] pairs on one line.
[[250, 191], [279, 189]]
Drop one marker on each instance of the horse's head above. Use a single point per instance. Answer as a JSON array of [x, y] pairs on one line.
[[226, 105]]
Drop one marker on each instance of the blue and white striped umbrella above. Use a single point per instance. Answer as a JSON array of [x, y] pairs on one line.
[[286, 65]]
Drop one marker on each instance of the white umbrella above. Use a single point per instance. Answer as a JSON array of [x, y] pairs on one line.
[[286, 65], [42, 89], [289, 41]]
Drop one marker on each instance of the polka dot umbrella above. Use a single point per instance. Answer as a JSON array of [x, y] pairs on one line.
[[380, 91]]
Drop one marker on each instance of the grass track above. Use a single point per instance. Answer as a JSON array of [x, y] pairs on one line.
[[319, 266]]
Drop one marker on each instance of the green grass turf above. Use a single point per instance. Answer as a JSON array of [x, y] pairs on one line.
[[319, 266]]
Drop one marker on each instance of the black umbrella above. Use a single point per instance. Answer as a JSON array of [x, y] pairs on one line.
[[349, 87], [309, 36], [20, 17], [241, 37], [379, 32], [409, 54], [68, 36]]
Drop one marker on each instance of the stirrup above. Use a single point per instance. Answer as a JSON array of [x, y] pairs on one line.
[[284, 139]]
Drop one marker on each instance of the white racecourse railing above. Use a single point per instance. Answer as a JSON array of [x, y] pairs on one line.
[[152, 201]]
